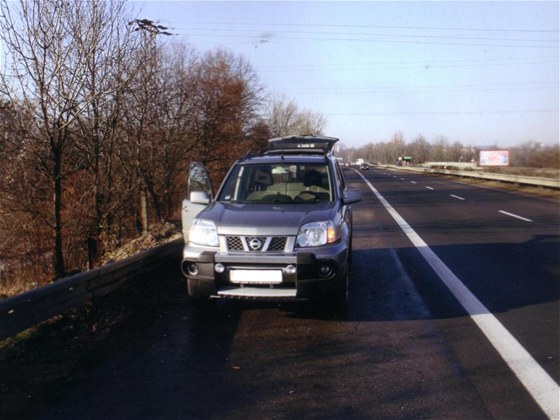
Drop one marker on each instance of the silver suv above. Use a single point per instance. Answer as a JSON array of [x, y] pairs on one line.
[[279, 228]]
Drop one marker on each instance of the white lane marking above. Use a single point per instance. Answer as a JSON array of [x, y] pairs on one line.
[[515, 215], [544, 390], [457, 197], [430, 188]]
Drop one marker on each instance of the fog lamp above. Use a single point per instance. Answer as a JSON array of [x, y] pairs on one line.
[[192, 269], [325, 270]]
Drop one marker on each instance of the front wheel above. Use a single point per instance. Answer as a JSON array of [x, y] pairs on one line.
[[195, 297], [335, 301], [339, 297]]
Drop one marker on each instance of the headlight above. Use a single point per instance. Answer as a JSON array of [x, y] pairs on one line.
[[203, 232], [317, 234]]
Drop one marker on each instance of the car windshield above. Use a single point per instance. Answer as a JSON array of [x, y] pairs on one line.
[[284, 183]]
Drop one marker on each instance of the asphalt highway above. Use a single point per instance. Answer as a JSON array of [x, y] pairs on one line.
[[453, 313]]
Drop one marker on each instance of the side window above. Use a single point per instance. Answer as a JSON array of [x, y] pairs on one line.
[[341, 184]]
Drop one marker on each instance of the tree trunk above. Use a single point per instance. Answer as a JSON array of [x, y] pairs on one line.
[[58, 257], [144, 212]]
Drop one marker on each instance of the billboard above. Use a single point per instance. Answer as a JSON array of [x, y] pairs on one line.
[[494, 157]]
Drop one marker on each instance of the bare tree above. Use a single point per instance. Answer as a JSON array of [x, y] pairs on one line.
[[228, 96], [285, 118], [419, 149], [439, 149], [52, 47], [104, 31], [159, 126], [282, 117], [311, 122], [177, 87]]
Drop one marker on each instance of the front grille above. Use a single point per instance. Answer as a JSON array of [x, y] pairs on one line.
[[277, 244], [256, 243], [234, 243]]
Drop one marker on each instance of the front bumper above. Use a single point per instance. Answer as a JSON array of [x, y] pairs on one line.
[[304, 274]]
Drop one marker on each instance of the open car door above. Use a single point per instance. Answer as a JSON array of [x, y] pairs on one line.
[[199, 195]]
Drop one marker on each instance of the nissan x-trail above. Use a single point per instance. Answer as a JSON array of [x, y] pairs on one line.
[[279, 228]]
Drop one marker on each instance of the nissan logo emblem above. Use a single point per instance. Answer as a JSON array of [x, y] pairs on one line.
[[255, 244]]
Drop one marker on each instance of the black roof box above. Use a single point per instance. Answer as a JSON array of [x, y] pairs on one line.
[[302, 144]]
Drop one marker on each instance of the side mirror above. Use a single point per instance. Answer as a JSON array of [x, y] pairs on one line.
[[199, 181], [199, 197], [352, 196]]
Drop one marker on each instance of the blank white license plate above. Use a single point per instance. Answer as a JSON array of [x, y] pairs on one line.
[[256, 276]]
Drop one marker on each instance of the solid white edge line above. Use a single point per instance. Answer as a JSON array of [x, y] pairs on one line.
[[515, 215], [544, 390]]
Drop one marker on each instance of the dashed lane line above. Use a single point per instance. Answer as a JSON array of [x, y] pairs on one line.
[[457, 197], [542, 388], [515, 215]]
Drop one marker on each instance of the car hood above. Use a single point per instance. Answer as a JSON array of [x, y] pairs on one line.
[[265, 219]]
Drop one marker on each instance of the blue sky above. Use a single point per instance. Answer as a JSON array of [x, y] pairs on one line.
[[481, 73]]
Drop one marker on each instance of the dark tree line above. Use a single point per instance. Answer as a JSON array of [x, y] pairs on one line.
[[100, 114], [530, 154], [99, 118]]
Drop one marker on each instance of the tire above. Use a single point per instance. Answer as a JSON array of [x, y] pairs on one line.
[[336, 300], [191, 290], [196, 298], [340, 294]]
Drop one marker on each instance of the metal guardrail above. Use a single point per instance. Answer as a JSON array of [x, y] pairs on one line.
[[516, 179], [25, 310]]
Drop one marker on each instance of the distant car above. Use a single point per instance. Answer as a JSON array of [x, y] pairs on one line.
[[364, 166], [279, 228]]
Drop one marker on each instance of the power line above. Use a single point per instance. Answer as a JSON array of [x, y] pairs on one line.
[[412, 64], [428, 88], [393, 40], [413, 113], [223, 31], [268, 25]]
